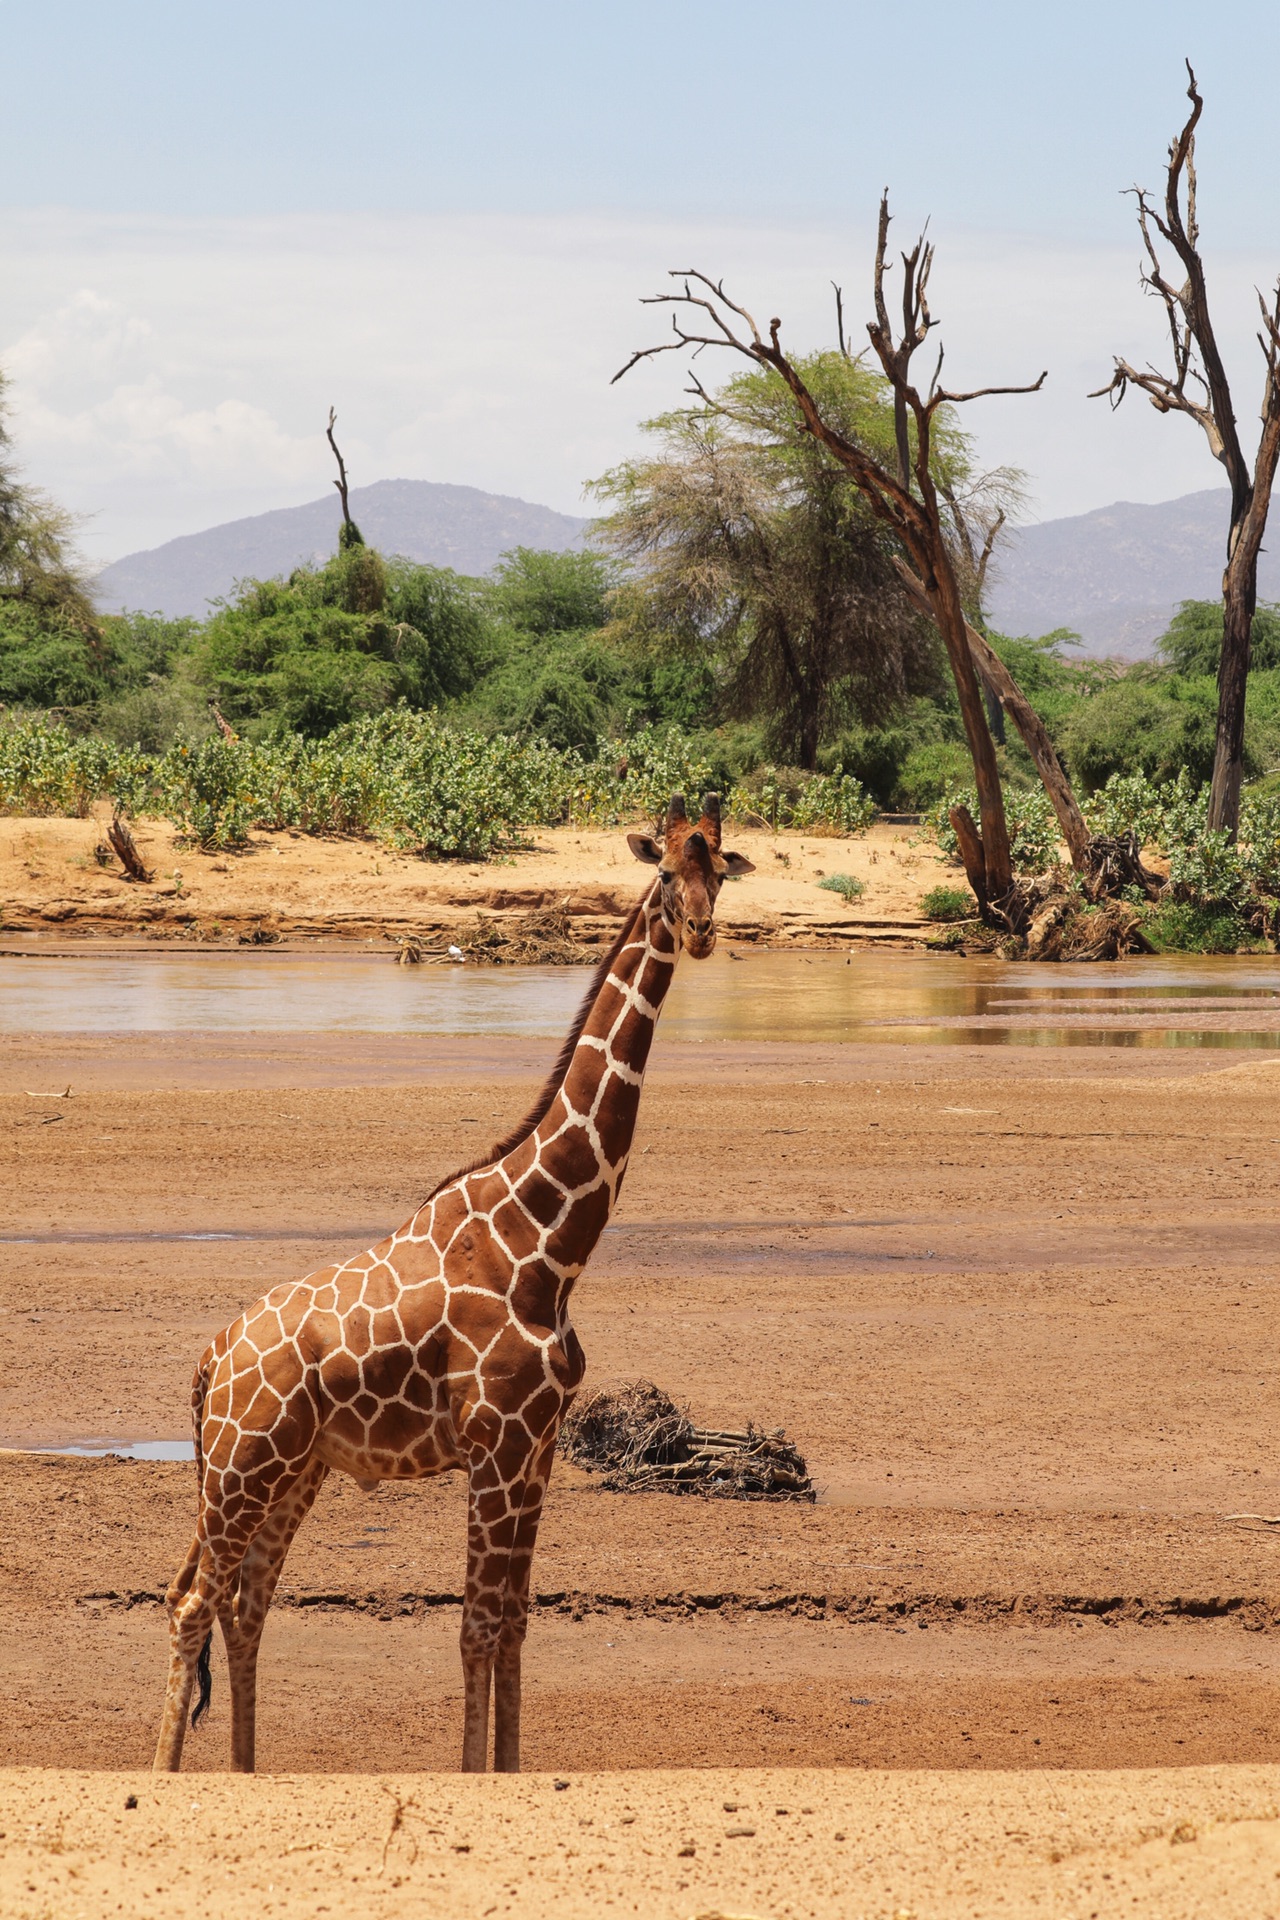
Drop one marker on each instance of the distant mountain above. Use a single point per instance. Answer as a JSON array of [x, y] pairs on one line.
[[1116, 575], [457, 527]]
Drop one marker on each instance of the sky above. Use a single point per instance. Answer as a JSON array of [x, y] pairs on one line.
[[218, 220]]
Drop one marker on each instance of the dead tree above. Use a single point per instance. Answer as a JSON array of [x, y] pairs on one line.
[[1198, 387], [907, 500], [350, 536]]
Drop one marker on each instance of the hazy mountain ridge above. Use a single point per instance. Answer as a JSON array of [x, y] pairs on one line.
[[446, 526], [1114, 576], [1117, 574]]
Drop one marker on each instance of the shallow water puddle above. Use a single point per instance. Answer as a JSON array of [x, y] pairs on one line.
[[119, 1450], [741, 994]]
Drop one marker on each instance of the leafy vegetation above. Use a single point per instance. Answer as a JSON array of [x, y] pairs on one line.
[[847, 885], [753, 554], [411, 780], [948, 903], [741, 627]]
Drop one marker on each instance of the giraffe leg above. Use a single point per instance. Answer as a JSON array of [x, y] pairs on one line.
[[491, 1532], [242, 1622], [515, 1617], [193, 1603]]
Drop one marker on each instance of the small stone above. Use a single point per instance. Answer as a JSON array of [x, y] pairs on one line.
[[561, 1786], [687, 1851], [130, 1802]]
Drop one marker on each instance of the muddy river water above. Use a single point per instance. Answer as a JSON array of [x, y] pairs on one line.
[[894, 998]]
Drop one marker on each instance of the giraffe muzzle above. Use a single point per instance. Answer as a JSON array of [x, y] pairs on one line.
[[699, 938]]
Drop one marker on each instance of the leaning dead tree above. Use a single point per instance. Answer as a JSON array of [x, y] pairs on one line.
[[350, 536], [1198, 387], [907, 497]]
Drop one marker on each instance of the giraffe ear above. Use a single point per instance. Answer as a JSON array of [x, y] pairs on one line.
[[645, 848], [736, 863]]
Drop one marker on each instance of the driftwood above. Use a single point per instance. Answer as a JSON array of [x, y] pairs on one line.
[[643, 1442], [126, 849]]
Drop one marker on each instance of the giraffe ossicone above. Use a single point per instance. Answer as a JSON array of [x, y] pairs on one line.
[[446, 1346]]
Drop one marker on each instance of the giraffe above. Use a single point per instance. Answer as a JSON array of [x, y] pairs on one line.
[[446, 1346]]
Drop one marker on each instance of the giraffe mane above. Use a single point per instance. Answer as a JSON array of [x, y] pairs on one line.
[[542, 1105]]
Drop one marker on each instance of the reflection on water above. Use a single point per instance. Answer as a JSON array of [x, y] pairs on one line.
[[892, 997]]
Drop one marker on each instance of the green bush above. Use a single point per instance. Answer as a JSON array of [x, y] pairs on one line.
[[930, 772], [46, 769], [847, 885], [350, 638], [1143, 723], [1183, 926], [1193, 643], [789, 799], [948, 903]]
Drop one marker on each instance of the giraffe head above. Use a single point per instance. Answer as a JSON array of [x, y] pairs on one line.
[[691, 871]]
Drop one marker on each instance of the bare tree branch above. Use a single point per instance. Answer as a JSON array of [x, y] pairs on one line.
[[341, 482], [906, 500], [1197, 364], [943, 397]]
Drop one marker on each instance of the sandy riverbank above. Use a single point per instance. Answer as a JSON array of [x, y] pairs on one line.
[[721, 1845], [305, 889]]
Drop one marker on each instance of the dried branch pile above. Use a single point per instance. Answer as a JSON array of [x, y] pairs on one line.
[[643, 1443], [545, 937], [1062, 922]]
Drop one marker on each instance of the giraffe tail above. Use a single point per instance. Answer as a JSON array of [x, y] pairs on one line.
[[204, 1673], [204, 1676]]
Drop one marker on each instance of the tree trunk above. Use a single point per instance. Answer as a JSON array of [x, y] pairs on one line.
[[948, 616], [1036, 739], [971, 852], [1028, 722], [1239, 599]]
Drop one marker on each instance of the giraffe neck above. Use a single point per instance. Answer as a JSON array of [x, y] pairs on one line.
[[569, 1171]]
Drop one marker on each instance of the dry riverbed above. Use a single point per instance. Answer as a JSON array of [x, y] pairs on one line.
[[1017, 1305]]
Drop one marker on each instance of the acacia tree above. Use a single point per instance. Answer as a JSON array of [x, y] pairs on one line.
[[40, 580], [1198, 388], [759, 553], [902, 491]]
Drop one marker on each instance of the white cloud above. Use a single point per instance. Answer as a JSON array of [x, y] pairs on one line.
[[169, 374]]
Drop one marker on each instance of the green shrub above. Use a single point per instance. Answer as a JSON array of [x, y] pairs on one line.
[[1144, 724], [1183, 926], [787, 798], [847, 885], [930, 772], [948, 903]]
